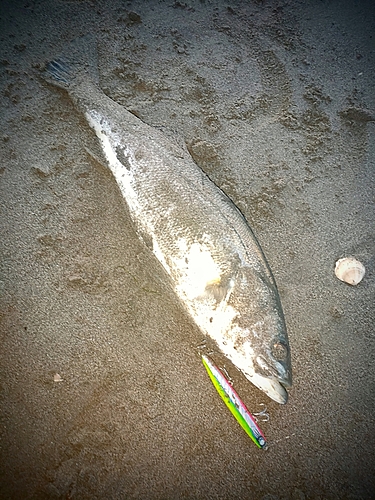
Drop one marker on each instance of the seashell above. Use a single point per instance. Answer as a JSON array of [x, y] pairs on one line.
[[350, 270]]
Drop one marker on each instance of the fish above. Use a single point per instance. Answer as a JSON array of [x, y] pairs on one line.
[[234, 403], [202, 240]]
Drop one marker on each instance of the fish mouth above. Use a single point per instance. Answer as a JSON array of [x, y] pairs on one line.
[[272, 377], [274, 387], [276, 391]]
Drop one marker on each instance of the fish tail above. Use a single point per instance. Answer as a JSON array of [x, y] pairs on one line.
[[75, 65], [58, 72]]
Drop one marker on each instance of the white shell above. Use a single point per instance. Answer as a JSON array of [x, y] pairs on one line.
[[350, 270]]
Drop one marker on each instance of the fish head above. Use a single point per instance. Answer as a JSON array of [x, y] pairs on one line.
[[267, 365], [256, 341], [241, 310]]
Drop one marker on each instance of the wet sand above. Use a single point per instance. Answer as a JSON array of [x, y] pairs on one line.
[[103, 394]]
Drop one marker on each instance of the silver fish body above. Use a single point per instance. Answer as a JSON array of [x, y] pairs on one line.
[[199, 236]]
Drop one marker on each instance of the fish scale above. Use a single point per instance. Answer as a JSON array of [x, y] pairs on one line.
[[202, 240]]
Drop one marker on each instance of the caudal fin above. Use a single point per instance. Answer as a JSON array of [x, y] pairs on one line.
[[58, 71], [77, 64]]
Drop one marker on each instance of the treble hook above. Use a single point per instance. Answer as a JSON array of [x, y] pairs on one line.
[[202, 345], [263, 413]]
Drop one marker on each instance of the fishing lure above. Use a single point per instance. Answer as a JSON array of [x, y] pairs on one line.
[[234, 403]]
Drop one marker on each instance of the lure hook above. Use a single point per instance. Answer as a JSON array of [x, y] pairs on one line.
[[263, 413]]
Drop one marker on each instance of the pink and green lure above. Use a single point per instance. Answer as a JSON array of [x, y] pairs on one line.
[[234, 403]]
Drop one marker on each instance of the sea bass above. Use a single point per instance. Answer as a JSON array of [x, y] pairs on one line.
[[202, 240]]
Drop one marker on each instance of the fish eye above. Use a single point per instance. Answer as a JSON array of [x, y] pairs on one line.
[[279, 351]]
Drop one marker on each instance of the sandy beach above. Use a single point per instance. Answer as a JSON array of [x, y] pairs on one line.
[[103, 392]]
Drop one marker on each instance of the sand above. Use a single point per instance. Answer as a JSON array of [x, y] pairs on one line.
[[103, 393]]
